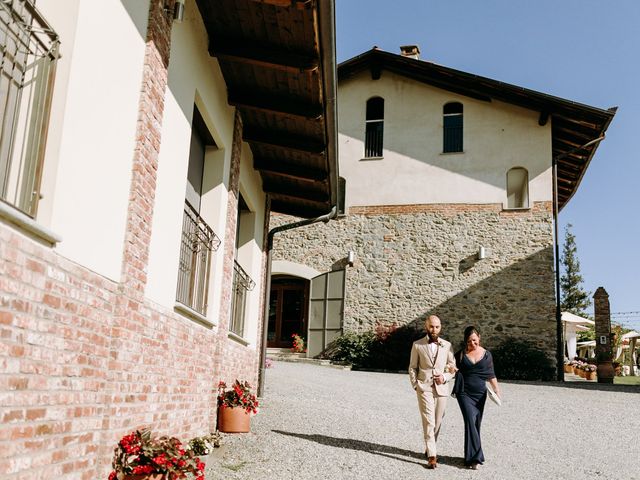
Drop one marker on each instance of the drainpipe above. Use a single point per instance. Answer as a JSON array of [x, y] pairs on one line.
[[267, 291], [327, 37], [559, 336]]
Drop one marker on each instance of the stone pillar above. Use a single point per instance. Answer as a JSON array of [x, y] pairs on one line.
[[604, 339]]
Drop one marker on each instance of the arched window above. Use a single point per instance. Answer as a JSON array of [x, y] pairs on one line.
[[374, 128], [518, 188], [452, 127]]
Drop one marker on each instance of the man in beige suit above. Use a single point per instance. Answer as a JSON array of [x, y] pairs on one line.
[[431, 367]]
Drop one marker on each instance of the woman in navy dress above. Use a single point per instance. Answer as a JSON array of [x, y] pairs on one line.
[[475, 368]]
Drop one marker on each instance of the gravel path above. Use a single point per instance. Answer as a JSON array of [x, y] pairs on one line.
[[323, 423]]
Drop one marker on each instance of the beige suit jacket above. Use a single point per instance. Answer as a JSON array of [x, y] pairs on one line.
[[423, 366]]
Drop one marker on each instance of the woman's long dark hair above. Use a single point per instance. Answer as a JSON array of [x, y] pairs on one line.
[[470, 330]]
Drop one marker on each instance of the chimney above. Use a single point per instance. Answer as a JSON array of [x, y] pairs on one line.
[[411, 51]]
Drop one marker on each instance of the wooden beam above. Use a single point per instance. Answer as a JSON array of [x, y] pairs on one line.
[[258, 55], [285, 3], [294, 193], [274, 105], [295, 172], [268, 139], [298, 210], [296, 199]]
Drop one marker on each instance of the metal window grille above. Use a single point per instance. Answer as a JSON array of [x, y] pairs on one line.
[[198, 243], [28, 56], [242, 283], [373, 138], [452, 132]]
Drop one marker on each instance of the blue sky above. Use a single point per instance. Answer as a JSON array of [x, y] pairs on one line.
[[582, 50]]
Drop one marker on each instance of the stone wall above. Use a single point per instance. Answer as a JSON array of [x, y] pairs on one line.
[[414, 260]]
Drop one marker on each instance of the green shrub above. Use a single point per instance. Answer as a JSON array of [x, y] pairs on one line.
[[388, 347], [518, 360], [353, 348]]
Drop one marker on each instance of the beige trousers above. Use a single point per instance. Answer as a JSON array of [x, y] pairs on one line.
[[431, 413]]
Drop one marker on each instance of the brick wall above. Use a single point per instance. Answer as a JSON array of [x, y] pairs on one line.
[[76, 373], [85, 359]]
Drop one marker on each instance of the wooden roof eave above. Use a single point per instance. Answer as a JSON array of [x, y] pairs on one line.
[[300, 45]]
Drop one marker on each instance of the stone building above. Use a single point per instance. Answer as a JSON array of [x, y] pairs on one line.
[[138, 148], [447, 185]]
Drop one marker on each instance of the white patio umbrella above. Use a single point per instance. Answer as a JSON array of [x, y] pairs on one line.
[[572, 324]]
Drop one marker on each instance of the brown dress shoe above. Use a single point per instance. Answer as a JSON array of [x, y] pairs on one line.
[[432, 463]]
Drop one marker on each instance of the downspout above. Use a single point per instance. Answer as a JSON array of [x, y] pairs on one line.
[[559, 336], [267, 291], [327, 41]]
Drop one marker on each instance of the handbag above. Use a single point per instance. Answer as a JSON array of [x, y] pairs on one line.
[[493, 396]]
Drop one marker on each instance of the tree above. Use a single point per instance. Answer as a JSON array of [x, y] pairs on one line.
[[574, 298]]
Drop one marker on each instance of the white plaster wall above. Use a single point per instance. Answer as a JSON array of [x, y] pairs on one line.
[[497, 136], [87, 169], [195, 77], [286, 267]]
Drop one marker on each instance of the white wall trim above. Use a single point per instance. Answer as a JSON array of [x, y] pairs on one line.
[[28, 224], [285, 267]]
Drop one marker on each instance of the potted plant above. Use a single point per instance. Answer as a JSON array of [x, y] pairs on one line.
[[204, 445], [298, 344], [236, 404], [590, 372], [140, 456], [568, 365]]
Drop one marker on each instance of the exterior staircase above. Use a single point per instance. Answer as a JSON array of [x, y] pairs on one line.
[[286, 355]]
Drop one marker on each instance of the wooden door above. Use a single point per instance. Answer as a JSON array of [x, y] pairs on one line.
[[288, 307]]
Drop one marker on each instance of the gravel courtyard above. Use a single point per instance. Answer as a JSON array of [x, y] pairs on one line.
[[324, 423]]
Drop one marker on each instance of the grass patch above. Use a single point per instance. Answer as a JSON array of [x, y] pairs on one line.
[[626, 380], [234, 467]]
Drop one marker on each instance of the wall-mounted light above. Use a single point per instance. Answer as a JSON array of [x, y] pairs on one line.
[[482, 254], [177, 11], [351, 257]]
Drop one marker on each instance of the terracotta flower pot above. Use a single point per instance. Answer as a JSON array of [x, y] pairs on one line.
[[591, 375], [576, 371], [568, 368], [233, 420]]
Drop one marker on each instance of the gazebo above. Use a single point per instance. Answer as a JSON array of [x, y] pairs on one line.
[[572, 324]]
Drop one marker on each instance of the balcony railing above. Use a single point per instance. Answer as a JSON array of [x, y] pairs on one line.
[[242, 283], [198, 243], [28, 55]]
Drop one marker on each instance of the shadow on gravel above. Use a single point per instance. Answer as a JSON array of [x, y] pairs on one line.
[[605, 387], [373, 448]]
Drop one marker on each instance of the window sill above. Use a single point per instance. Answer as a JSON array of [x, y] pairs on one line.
[[191, 314], [28, 224], [452, 153], [237, 338], [366, 159]]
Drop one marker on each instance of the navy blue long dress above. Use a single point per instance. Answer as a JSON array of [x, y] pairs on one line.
[[471, 393]]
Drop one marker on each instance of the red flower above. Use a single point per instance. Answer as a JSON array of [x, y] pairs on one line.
[[113, 476], [142, 469], [200, 465], [160, 459]]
